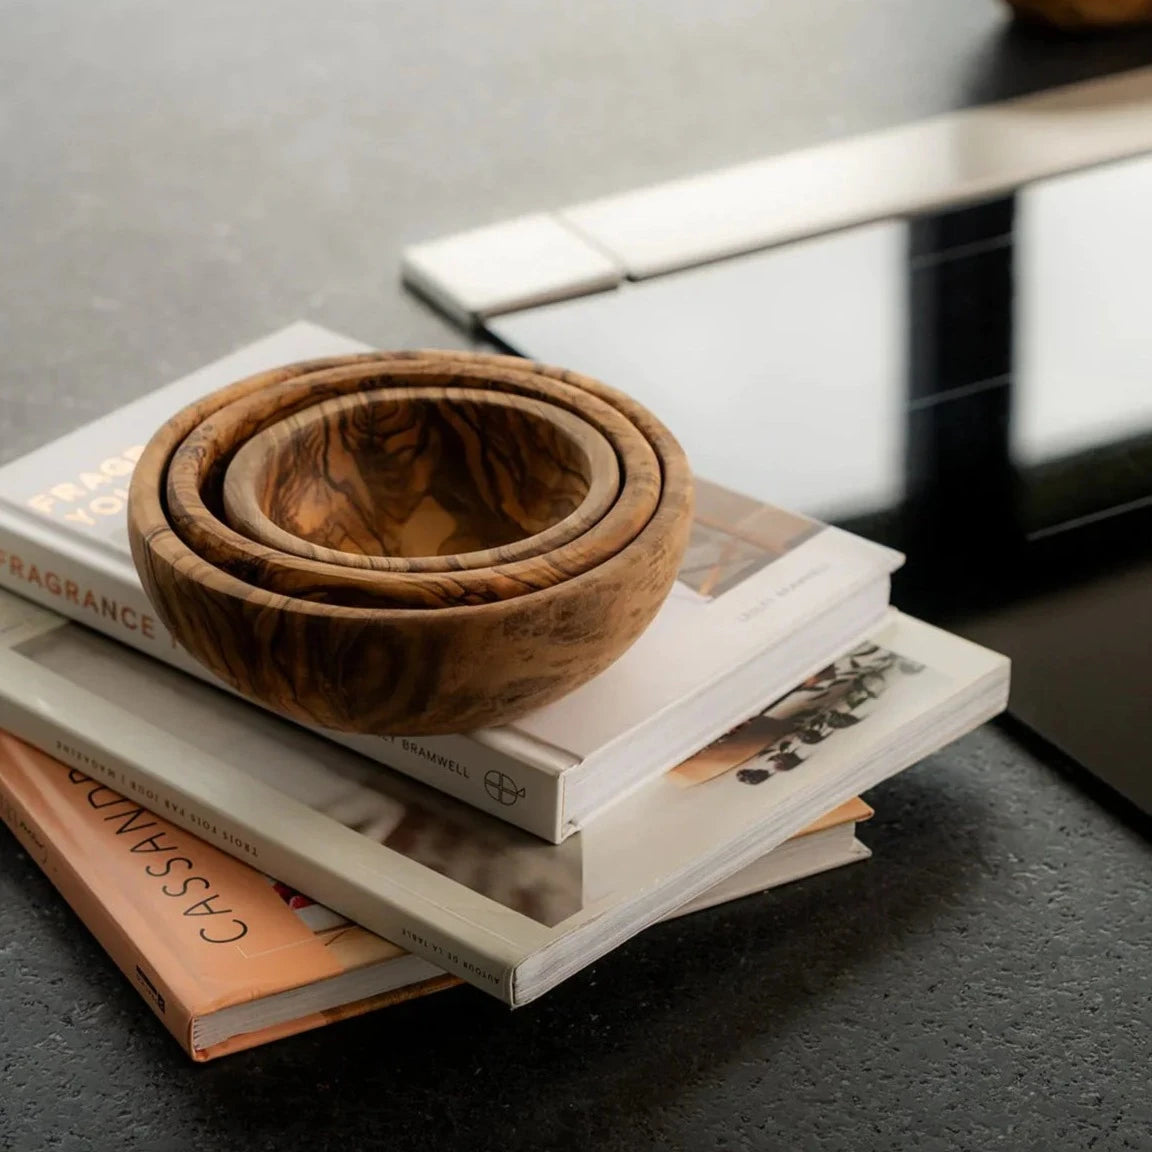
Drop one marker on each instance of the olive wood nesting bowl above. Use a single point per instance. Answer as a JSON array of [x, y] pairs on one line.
[[405, 670], [422, 479], [199, 467]]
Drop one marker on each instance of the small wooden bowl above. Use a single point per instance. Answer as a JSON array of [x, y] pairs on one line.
[[422, 480], [199, 465], [408, 670]]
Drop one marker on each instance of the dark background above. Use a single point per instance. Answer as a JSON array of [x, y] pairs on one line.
[[176, 180]]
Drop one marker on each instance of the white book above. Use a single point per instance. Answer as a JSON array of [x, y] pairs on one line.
[[500, 908], [765, 598], [802, 856]]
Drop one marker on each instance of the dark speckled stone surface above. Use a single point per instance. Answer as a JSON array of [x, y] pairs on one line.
[[177, 180], [982, 982]]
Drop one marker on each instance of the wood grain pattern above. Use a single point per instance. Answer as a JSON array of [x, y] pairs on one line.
[[429, 479], [195, 478], [408, 670]]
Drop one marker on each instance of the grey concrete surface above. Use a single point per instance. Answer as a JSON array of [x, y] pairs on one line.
[[178, 179]]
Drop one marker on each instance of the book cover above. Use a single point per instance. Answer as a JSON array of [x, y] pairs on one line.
[[228, 958], [506, 911], [214, 947], [764, 598]]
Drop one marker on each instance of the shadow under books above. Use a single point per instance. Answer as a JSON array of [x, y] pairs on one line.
[[633, 1031]]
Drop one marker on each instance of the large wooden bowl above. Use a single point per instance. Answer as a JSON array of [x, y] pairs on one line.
[[408, 670], [200, 464], [422, 480]]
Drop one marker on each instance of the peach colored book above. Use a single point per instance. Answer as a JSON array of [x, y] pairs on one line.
[[224, 956]]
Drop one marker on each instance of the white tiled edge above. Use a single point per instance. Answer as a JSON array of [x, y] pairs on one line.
[[911, 168], [507, 266], [916, 167]]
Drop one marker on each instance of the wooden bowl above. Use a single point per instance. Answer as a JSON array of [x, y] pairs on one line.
[[1083, 15], [409, 670], [422, 480], [199, 465]]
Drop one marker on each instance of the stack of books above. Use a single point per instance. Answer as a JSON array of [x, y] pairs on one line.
[[723, 755]]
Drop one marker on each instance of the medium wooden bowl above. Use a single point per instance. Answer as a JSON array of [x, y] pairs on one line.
[[422, 480], [199, 465], [408, 670]]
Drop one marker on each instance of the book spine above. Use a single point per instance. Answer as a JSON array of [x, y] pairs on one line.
[[486, 778], [18, 812], [38, 564], [88, 740]]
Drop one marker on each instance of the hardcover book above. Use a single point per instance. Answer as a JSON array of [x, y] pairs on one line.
[[502, 909], [764, 599], [228, 958]]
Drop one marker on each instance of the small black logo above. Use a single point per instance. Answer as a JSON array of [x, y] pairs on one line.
[[150, 988], [503, 789]]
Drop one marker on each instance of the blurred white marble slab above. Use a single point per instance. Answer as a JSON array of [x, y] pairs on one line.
[[945, 160], [502, 267]]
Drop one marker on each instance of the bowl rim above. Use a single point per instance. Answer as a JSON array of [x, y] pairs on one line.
[[242, 500], [155, 543], [220, 547]]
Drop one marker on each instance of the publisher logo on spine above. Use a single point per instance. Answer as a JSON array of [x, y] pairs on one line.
[[503, 789]]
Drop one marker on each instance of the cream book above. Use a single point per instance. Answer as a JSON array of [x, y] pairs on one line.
[[228, 958], [765, 598], [484, 900]]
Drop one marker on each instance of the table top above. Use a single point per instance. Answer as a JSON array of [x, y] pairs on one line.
[[178, 181]]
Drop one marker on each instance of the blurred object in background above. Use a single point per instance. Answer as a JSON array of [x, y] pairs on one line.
[[1080, 14]]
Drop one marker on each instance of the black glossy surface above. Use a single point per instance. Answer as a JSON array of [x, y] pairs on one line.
[[960, 284], [176, 180], [1049, 560], [970, 387]]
